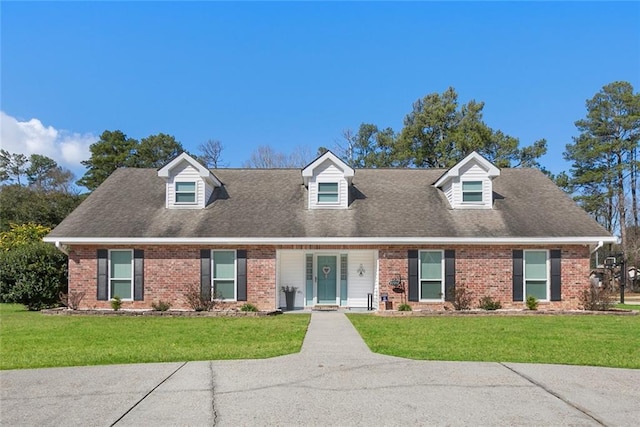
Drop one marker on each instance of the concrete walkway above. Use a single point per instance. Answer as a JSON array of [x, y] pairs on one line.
[[334, 380]]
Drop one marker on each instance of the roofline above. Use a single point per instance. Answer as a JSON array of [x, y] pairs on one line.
[[569, 240], [205, 173], [454, 171]]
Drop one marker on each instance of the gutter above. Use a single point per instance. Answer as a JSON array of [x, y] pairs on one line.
[[595, 250], [62, 248]]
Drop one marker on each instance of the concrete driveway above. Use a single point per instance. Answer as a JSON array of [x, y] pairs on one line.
[[334, 380]]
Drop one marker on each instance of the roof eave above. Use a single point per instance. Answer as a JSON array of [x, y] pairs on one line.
[[568, 240]]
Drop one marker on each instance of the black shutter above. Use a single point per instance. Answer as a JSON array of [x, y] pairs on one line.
[[518, 276], [241, 259], [413, 275], [556, 275], [205, 274], [449, 275], [103, 266], [138, 275]]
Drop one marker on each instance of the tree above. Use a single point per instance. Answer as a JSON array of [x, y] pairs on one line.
[[370, 147], [438, 133], [155, 151], [12, 166], [44, 174], [20, 204], [604, 158], [265, 157], [112, 151], [210, 153]]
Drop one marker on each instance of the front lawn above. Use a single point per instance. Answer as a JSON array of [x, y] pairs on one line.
[[596, 340], [628, 306], [33, 340]]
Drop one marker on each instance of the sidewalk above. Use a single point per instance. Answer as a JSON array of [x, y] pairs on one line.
[[334, 380]]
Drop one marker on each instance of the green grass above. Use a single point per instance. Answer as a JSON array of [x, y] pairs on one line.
[[628, 306], [597, 340], [33, 340]]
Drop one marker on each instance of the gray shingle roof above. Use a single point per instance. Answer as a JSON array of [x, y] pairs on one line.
[[271, 203]]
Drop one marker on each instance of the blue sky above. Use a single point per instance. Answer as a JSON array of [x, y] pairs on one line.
[[297, 74]]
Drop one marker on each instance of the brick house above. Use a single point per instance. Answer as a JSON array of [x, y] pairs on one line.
[[341, 237]]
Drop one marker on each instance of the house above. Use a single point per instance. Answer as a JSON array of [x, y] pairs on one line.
[[342, 237]]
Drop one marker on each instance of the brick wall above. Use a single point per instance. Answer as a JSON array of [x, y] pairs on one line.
[[487, 270], [170, 270]]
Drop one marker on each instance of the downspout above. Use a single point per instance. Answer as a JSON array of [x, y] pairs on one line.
[[598, 246], [62, 248]]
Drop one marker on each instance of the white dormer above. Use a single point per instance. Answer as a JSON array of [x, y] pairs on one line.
[[469, 184], [189, 184], [328, 179]]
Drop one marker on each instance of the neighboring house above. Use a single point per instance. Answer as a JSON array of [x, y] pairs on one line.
[[336, 234]]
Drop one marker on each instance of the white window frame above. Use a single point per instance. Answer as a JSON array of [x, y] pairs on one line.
[[462, 192], [441, 275], [235, 275], [176, 192], [337, 193], [524, 273], [110, 279]]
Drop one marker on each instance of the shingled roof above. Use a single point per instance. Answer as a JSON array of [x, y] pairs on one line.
[[271, 203]]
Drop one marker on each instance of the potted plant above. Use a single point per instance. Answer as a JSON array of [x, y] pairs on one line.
[[290, 296]]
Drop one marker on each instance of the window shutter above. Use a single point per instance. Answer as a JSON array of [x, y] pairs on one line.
[[413, 275], [518, 275], [241, 259], [449, 275], [205, 274], [103, 266], [556, 274], [138, 275]]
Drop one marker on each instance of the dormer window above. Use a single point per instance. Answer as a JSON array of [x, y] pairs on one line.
[[185, 192], [469, 184], [472, 191], [328, 192], [328, 180], [189, 185]]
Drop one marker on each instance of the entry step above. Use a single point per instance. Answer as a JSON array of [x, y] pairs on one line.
[[325, 308]]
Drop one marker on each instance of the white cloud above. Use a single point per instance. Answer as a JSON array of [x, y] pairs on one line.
[[32, 137]]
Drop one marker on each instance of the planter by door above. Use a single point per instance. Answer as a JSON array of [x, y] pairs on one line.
[[291, 300]]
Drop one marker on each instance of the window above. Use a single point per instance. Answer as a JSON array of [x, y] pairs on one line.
[[472, 191], [327, 192], [121, 274], [185, 192], [536, 274], [224, 275], [431, 270]]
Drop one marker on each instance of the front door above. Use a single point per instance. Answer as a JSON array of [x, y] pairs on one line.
[[326, 269]]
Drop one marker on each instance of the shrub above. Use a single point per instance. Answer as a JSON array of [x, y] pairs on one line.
[[72, 299], [488, 303], [532, 302], [404, 307], [597, 298], [196, 301], [161, 305], [32, 274], [116, 303], [248, 307], [461, 299]]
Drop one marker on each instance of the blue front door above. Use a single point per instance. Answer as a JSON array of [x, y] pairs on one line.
[[326, 270]]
